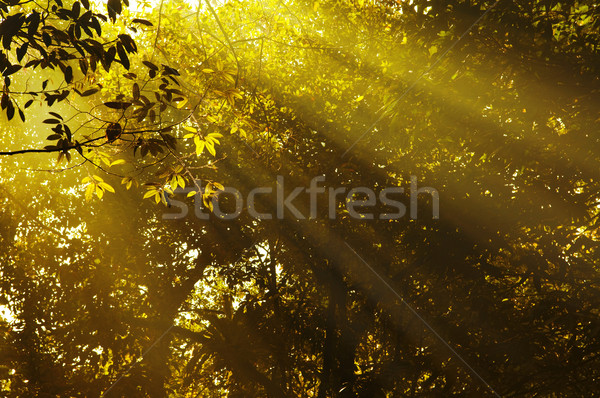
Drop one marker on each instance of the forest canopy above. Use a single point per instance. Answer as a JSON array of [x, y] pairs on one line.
[[414, 183]]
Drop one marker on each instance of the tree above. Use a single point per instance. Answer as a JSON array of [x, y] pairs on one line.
[[322, 307], [69, 38]]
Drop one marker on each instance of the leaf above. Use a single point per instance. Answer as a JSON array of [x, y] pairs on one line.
[[68, 74], [211, 148], [150, 65], [127, 181], [114, 7], [99, 192], [106, 187], [212, 137], [191, 193], [11, 69], [117, 104], [169, 71], [113, 132], [128, 43], [181, 104], [136, 91], [142, 22], [150, 192], [199, 145], [75, 10], [89, 92], [89, 191], [206, 199], [123, 56], [10, 111], [118, 161], [21, 51]]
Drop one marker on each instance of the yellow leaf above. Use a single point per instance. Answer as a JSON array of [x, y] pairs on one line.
[[89, 191], [181, 104], [99, 192], [157, 197], [208, 70], [207, 202], [212, 139], [191, 193], [189, 128], [192, 135], [106, 187], [97, 178], [118, 161], [85, 180], [211, 148], [229, 78], [200, 147], [151, 192]]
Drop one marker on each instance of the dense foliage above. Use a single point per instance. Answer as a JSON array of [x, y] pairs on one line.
[[499, 296]]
